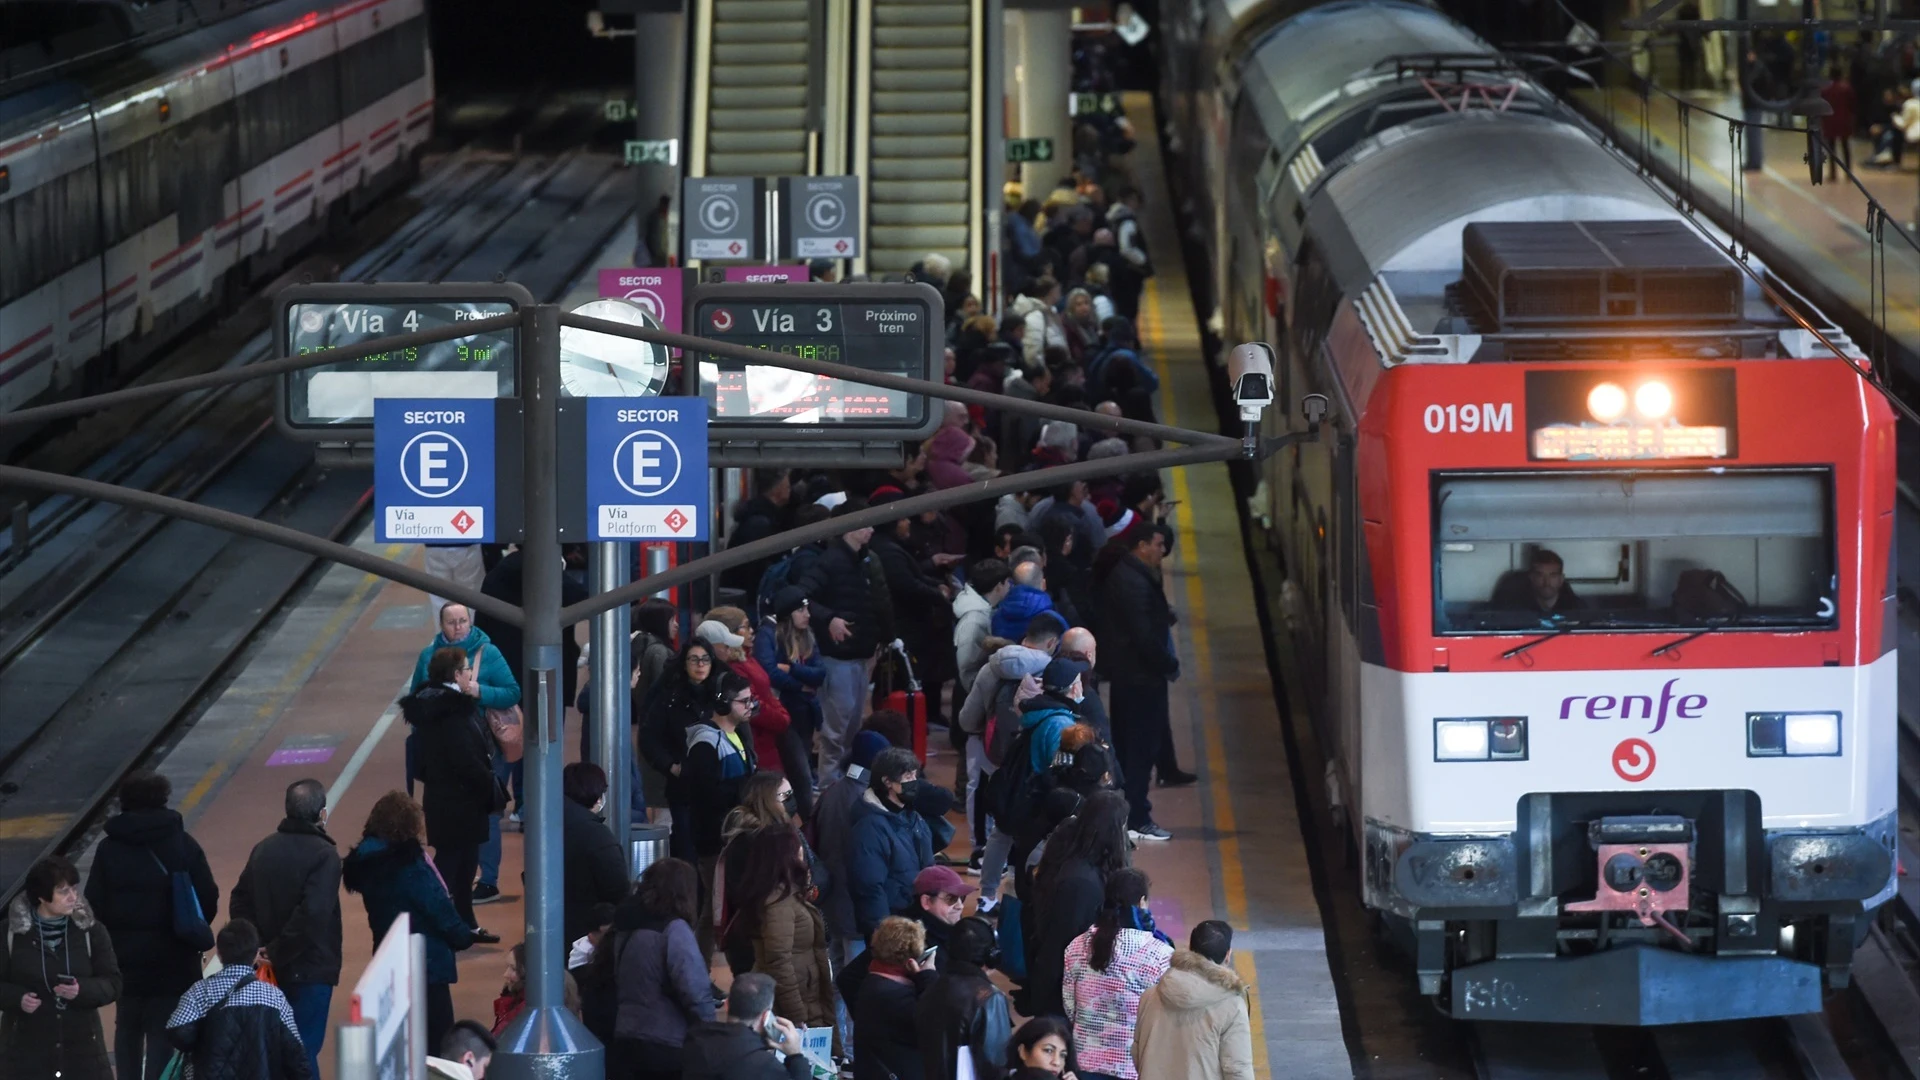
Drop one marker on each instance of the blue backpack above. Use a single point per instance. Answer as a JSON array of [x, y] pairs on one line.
[[189, 922], [772, 580]]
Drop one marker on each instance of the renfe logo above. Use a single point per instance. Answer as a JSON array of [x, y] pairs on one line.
[[1641, 706]]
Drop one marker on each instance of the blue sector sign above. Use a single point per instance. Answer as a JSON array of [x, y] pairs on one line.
[[433, 470], [647, 469]]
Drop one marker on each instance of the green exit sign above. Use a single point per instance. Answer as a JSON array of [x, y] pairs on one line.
[[1029, 149], [1079, 105], [653, 151]]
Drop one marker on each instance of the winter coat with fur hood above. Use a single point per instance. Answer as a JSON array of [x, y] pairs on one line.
[[50, 1041], [1193, 1023]]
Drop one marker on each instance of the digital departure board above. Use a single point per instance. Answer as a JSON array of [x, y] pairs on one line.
[[896, 329], [333, 399]]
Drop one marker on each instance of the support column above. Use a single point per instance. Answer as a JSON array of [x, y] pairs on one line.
[[660, 107], [545, 1042], [609, 565], [1045, 78]]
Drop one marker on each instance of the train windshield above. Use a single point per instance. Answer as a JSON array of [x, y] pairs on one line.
[[1634, 550]]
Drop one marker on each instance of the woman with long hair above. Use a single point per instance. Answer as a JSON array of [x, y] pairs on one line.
[[1108, 968], [766, 801], [1070, 887], [390, 871], [773, 912], [1041, 1049], [683, 697], [787, 649], [660, 979]]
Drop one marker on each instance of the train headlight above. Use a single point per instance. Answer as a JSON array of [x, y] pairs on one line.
[[1607, 402], [1480, 738], [1653, 400], [1804, 734]]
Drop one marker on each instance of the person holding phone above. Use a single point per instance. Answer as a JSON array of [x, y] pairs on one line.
[[886, 1045], [58, 970], [748, 1044]]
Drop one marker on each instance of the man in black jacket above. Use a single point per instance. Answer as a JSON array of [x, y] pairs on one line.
[[963, 1009], [131, 892], [290, 892], [741, 1046], [767, 513], [231, 1025], [848, 614], [456, 765], [1137, 657]]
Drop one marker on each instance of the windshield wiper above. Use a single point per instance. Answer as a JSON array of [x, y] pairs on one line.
[[1732, 620], [1525, 645]]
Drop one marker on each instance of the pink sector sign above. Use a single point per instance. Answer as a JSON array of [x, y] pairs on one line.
[[762, 275], [656, 291]]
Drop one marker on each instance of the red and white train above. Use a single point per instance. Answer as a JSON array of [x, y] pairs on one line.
[[1594, 557], [137, 197]]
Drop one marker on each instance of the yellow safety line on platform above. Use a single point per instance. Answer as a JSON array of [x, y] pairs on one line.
[[1233, 883], [295, 676]]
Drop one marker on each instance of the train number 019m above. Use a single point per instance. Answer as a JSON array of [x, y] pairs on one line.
[[1469, 417]]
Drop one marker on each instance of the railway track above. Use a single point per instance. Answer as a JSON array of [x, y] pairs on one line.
[[116, 627], [1792, 1048]]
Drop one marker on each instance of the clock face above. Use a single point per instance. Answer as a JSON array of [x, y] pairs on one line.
[[593, 364]]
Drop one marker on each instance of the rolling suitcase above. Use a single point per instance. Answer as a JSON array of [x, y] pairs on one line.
[[911, 702]]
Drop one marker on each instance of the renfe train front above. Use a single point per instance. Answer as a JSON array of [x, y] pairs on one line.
[[1626, 650]]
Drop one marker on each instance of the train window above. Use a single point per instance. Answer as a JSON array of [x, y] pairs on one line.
[[382, 64], [47, 230], [1631, 550], [181, 169]]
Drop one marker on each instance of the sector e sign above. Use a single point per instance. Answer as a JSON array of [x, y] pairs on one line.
[[336, 402], [433, 471]]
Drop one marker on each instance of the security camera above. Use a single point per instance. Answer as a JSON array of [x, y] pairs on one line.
[[1314, 409], [1250, 366]]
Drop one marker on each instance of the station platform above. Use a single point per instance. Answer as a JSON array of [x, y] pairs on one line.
[[1813, 237], [318, 699]]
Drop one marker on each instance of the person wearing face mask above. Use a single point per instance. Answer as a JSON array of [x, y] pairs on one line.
[[596, 872], [890, 842], [742, 1047], [290, 892]]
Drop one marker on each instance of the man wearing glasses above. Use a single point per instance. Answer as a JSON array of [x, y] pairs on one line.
[[719, 760]]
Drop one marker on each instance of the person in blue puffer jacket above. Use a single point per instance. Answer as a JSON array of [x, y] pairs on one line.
[[891, 841], [390, 871]]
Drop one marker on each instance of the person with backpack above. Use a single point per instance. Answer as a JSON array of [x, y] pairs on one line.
[[131, 891], [232, 1024], [58, 971], [1130, 274], [1026, 773], [990, 718], [767, 513], [1122, 348]]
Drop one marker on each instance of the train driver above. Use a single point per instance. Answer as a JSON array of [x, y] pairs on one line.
[[1543, 588]]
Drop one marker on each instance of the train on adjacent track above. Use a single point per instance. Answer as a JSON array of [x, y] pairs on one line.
[[138, 196], [1591, 561]]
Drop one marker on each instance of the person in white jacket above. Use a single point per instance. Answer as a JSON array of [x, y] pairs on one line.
[[1039, 307], [1194, 1022], [987, 583]]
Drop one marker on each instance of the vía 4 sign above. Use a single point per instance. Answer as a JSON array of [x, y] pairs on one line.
[[433, 476]]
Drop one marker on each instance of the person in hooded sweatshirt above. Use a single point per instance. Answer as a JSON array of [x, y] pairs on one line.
[[947, 451], [130, 889], [1194, 1022], [456, 764], [1020, 664], [742, 1047], [719, 761]]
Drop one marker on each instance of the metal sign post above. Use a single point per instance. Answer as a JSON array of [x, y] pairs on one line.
[[610, 665], [545, 1040]]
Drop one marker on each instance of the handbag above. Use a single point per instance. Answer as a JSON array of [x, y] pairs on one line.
[[189, 922], [508, 731]]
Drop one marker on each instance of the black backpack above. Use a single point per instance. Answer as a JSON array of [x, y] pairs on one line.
[[1002, 727], [1700, 595]]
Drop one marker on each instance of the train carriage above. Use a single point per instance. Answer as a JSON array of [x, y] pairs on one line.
[[139, 196], [1593, 559]]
